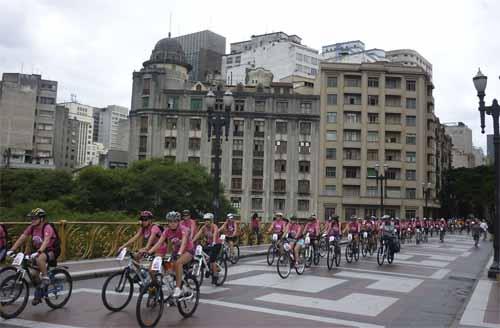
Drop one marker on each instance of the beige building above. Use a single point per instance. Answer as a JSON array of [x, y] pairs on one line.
[[376, 113], [463, 151]]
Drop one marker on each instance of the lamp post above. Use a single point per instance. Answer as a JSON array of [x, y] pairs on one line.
[[383, 184], [218, 124], [426, 190], [480, 81]]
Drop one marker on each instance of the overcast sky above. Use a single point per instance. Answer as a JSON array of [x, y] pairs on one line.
[[92, 47]]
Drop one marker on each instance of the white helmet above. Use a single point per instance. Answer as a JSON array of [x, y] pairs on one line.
[[208, 216]]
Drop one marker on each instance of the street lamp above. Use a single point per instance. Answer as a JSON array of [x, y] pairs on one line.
[[480, 81], [383, 184], [217, 120], [426, 190]]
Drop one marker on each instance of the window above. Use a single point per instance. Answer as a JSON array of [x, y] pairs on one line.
[[279, 204], [259, 129], [393, 192], [411, 121], [392, 137], [194, 159], [372, 136], [299, 57], [143, 144], [279, 185], [238, 128], [331, 82], [331, 135], [146, 86], [303, 205], [411, 85], [352, 81], [257, 184], [353, 154], [237, 166], [170, 142], [351, 191], [411, 139], [171, 123], [372, 100], [351, 172], [229, 60], [411, 175], [372, 155], [393, 173], [256, 203], [304, 186], [331, 117], [331, 99], [196, 103], [282, 106], [352, 99], [304, 147], [195, 124], [352, 117], [280, 166], [239, 105], [352, 135], [410, 214], [371, 191], [411, 193], [411, 157], [258, 148], [411, 103], [173, 102], [373, 82], [219, 104], [46, 100], [392, 155], [236, 183], [305, 107], [258, 167], [281, 146], [237, 147], [236, 202], [331, 153], [304, 166], [194, 143], [369, 212], [392, 83], [392, 101], [305, 128], [372, 118], [393, 119], [330, 190], [330, 171], [281, 127], [144, 124], [260, 106]]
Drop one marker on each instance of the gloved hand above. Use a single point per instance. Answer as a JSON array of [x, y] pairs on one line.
[[34, 255]]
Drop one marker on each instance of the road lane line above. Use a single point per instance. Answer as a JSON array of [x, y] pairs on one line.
[[32, 324], [306, 284], [476, 309], [392, 284]]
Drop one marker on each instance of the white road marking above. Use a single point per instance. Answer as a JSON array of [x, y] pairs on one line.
[[427, 263], [289, 314], [476, 309], [307, 284], [248, 268], [393, 284], [355, 303], [32, 324], [435, 257], [211, 289], [440, 274]]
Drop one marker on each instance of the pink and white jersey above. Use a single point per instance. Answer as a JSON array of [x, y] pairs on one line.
[[231, 228], [175, 236], [211, 233], [312, 228], [279, 226], [38, 234], [353, 227], [190, 225], [294, 230], [154, 231], [334, 229]]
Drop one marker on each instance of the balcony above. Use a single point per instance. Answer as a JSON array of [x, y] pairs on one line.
[[237, 133], [237, 152], [258, 153], [258, 134]]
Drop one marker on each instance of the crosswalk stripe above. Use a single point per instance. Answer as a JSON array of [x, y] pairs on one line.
[[32, 324], [393, 284]]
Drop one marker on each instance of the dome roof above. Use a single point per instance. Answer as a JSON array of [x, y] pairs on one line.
[[168, 51]]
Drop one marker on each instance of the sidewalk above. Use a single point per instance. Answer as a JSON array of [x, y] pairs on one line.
[[483, 308]]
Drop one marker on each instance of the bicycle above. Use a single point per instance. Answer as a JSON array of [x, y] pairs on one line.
[[286, 261], [334, 252], [364, 244], [159, 291], [273, 249], [201, 268], [231, 253], [14, 289], [418, 236], [352, 249], [323, 245], [123, 289], [385, 252]]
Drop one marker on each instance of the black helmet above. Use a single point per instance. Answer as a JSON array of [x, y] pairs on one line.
[[37, 212]]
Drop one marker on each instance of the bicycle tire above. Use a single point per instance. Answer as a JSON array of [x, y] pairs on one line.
[[67, 276], [330, 257], [157, 293], [104, 289], [283, 265], [270, 255], [195, 288]]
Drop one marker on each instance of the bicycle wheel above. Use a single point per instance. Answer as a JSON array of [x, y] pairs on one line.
[[355, 251], [59, 289], [390, 256], [380, 255], [348, 253], [364, 249], [222, 268], [316, 257], [14, 295], [283, 265], [188, 303], [117, 291], [323, 247], [308, 256], [300, 266], [235, 254], [149, 308], [198, 271], [338, 255], [330, 257], [271, 253], [6, 272]]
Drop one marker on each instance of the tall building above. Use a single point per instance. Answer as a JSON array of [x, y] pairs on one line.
[[351, 52], [377, 113], [490, 150], [110, 120], [461, 136], [270, 159], [479, 158], [282, 54], [203, 51], [27, 117]]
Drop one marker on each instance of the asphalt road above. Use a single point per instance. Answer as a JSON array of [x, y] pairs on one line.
[[426, 286]]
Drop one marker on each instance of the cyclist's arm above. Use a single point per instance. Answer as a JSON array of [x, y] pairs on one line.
[[193, 228], [157, 245], [236, 228], [19, 242], [223, 227], [270, 228], [198, 235], [183, 244], [150, 241], [133, 239]]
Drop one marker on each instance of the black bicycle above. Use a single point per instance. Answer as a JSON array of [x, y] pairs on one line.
[[385, 251], [334, 253]]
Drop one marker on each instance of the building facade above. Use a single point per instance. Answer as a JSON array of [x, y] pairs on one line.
[[461, 136], [27, 118], [269, 159], [282, 54], [110, 122], [376, 113], [351, 52], [203, 51], [479, 158]]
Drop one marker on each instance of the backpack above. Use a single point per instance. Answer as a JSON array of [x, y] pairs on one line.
[[161, 230], [57, 243], [6, 236]]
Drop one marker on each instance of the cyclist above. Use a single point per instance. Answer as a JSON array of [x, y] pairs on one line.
[[231, 228], [353, 228], [388, 233], [43, 238], [255, 225], [150, 234], [189, 223], [294, 231], [333, 227], [313, 229], [397, 226], [278, 226], [213, 244], [3, 241], [182, 244]]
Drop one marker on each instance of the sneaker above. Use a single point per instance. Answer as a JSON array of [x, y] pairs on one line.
[[177, 292]]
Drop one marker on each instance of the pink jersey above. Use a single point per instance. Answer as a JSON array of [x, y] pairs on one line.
[[294, 230], [312, 228], [210, 236], [175, 236], [279, 226], [190, 225], [255, 223], [353, 227], [334, 229], [231, 228], [3, 235], [38, 234], [369, 225], [154, 231]]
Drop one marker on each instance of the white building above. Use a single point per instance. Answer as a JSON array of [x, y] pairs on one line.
[[280, 53], [479, 158], [462, 151], [110, 119]]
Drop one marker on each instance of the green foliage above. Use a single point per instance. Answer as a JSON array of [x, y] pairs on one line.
[[109, 195]]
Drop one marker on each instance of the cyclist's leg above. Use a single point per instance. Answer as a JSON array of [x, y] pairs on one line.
[[214, 252], [179, 264]]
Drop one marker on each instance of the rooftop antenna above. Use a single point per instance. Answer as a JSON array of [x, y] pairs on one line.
[[22, 67], [170, 26]]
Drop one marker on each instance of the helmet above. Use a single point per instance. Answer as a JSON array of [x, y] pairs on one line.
[[313, 216], [173, 216], [145, 215], [230, 216], [279, 214], [336, 218], [208, 216], [37, 213], [186, 213]]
